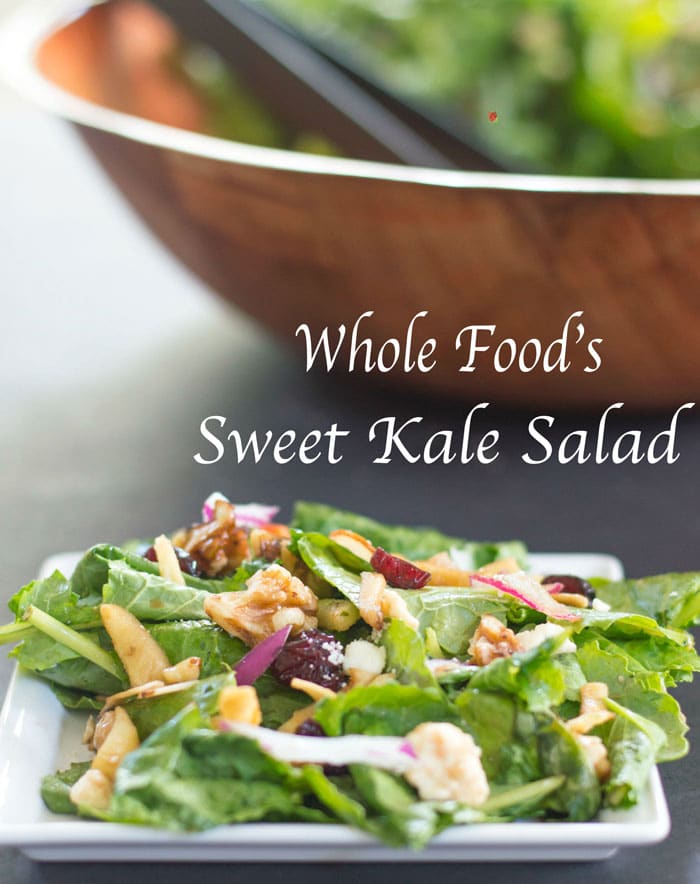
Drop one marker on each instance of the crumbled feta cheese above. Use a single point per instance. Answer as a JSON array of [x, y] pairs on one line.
[[600, 605], [365, 656], [533, 638], [335, 652]]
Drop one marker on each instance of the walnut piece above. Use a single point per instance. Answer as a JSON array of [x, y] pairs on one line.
[[268, 542], [253, 615], [448, 765], [218, 546], [492, 640]]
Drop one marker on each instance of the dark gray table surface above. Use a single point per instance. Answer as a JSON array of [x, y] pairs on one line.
[[111, 357]]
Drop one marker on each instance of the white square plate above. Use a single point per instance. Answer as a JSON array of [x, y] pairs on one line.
[[37, 736]]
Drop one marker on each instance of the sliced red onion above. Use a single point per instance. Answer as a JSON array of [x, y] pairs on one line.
[[553, 588], [250, 667], [254, 515], [209, 505], [248, 515], [528, 591], [408, 749], [389, 753]]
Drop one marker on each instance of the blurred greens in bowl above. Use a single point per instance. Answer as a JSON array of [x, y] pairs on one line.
[[229, 109], [580, 87]]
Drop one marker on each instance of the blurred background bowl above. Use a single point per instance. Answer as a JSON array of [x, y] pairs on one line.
[[295, 237]]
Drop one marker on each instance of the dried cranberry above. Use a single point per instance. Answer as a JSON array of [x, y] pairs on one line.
[[311, 728], [399, 572], [187, 564], [313, 656], [571, 584]]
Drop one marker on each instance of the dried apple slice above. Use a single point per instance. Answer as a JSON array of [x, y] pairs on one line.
[[142, 656]]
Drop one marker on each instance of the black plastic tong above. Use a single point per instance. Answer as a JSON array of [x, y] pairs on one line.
[[308, 89]]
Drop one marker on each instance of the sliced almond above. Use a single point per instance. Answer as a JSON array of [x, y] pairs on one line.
[[372, 588], [584, 723], [146, 691], [359, 678], [572, 599], [394, 606], [354, 543], [102, 728], [168, 564], [186, 670], [89, 731], [311, 689], [382, 678], [163, 690], [136, 691], [593, 696], [294, 722], [594, 711]]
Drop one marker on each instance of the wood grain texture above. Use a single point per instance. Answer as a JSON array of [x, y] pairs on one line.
[[291, 247]]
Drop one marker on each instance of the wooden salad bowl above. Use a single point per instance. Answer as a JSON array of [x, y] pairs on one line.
[[293, 238]]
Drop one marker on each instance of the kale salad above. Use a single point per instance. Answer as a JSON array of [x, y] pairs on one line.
[[339, 670]]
